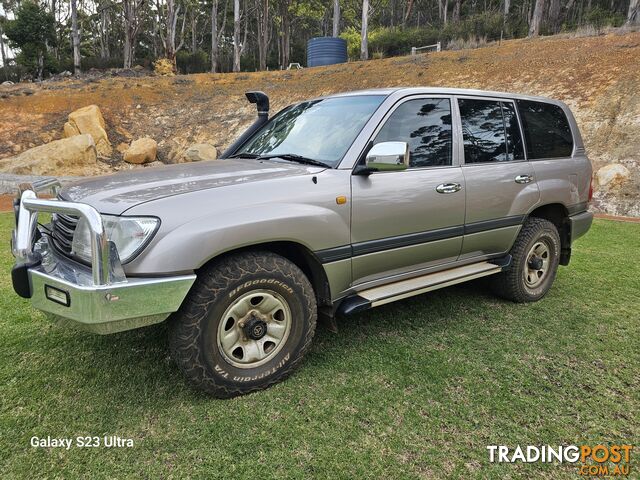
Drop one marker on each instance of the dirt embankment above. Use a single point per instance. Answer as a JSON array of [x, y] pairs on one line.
[[599, 77]]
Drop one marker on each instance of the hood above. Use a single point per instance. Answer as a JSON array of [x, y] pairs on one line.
[[114, 194]]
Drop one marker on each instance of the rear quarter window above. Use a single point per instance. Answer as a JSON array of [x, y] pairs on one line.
[[546, 130]]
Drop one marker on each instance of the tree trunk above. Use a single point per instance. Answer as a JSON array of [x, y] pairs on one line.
[[364, 45], [194, 31], [455, 16], [75, 37], [446, 8], [407, 14], [507, 5], [104, 33], [3, 56], [285, 36], [536, 19], [236, 35], [131, 27], [633, 15], [40, 65], [336, 18], [171, 23], [214, 36], [127, 53], [554, 16], [264, 33]]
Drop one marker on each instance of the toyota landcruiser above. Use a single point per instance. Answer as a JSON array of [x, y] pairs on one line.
[[332, 206]]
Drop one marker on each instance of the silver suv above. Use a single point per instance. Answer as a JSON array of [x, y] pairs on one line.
[[332, 206]]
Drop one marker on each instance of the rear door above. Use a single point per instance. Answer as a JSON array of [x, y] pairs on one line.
[[404, 221], [500, 183]]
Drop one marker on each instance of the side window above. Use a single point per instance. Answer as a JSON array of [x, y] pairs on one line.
[[482, 131], [515, 148], [425, 124], [546, 130]]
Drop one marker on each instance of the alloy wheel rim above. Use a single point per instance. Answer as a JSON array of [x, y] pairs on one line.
[[254, 328], [537, 264]]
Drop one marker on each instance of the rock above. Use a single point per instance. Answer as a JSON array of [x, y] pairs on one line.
[[122, 147], [143, 150], [613, 175], [74, 155], [200, 152], [89, 120]]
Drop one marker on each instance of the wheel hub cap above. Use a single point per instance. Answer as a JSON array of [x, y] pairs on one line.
[[537, 265], [254, 328]]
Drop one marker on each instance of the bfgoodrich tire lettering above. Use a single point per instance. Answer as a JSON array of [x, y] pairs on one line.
[[535, 254], [194, 332]]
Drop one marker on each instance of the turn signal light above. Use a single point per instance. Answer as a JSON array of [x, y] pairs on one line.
[[590, 190]]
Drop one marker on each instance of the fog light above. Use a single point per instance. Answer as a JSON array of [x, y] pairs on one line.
[[56, 295]]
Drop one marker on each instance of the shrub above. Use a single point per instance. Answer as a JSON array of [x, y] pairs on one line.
[[197, 62], [164, 67]]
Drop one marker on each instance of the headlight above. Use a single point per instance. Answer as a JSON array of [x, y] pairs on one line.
[[130, 235]]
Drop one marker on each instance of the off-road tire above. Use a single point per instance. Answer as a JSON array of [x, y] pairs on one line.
[[194, 328], [511, 283]]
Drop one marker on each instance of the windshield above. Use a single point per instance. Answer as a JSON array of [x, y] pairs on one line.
[[321, 130]]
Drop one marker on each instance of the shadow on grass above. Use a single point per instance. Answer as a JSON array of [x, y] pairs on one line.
[[136, 366]]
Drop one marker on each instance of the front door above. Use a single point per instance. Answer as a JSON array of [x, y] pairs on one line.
[[500, 183], [412, 219]]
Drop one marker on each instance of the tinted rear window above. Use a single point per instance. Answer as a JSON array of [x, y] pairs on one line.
[[546, 130]]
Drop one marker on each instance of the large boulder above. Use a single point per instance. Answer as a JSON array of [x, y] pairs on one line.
[[70, 156], [143, 150], [89, 120], [613, 175], [200, 152]]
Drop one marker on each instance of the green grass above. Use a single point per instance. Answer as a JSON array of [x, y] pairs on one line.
[[413, 389]]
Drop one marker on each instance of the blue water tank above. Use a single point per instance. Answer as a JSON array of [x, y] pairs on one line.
[[326, 51]]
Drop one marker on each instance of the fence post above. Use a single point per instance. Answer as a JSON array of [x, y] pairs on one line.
[[413, 50]]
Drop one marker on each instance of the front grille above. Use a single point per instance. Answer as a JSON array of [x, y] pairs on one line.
[[62, 229]]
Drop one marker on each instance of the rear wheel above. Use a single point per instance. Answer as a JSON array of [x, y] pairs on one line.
[[245, 326], [535, 254]]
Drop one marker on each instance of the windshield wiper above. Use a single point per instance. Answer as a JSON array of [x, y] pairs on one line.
[[292, 157], [244, 155]]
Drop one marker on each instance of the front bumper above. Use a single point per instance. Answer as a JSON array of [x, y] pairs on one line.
[[100, 299]]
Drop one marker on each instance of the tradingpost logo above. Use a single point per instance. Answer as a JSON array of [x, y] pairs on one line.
[[590, 460]]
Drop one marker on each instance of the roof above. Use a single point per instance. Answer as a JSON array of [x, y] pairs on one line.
[[403, 91]]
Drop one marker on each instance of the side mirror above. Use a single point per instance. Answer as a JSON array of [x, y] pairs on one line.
[[388, 156]]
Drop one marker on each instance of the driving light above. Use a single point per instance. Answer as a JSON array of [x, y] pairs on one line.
[[129, 234]]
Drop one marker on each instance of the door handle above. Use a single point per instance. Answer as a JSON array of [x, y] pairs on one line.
[[448, 188], [524, 179]]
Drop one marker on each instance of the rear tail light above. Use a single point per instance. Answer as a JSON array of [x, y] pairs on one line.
[[590, 190]]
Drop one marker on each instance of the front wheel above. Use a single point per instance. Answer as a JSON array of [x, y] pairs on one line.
[[246, 324], [535, 254]]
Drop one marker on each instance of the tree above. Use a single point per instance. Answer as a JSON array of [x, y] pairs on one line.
[[33, 32], [284, 32], [132, 12], [336, 18], [75, 37], [236, 36], [216, 34], [633, 15], [364, 45], [170, 13], [536, 19], [263, 31]]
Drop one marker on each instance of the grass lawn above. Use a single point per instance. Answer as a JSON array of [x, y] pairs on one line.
[[415, 389]]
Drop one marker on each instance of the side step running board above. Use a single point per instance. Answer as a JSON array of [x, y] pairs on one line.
[[391, 292]]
